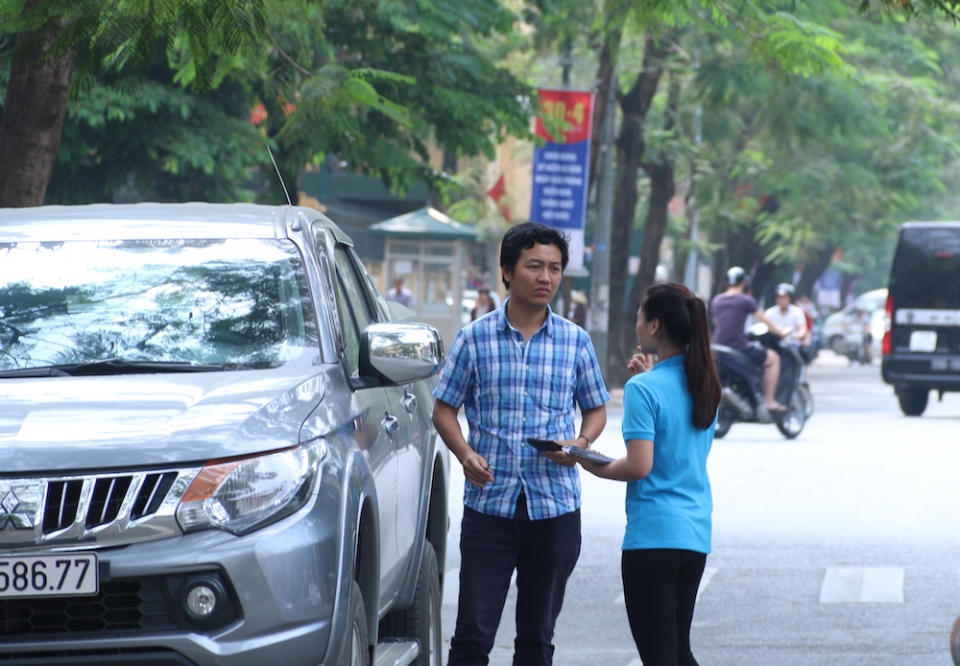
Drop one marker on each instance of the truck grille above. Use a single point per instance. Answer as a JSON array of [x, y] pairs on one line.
[[123, 606], [96, 509]]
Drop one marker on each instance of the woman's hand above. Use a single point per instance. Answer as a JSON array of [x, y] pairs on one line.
[[640, 362]]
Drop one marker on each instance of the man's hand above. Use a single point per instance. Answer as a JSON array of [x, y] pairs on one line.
[[476, 470], [563, 459]]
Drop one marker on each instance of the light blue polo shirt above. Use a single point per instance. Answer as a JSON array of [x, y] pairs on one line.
[[671, 507]]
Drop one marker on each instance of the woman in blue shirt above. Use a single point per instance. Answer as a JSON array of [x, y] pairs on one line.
[[670, 412]]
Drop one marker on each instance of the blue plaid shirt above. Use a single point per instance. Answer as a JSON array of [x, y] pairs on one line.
[[513, 389]]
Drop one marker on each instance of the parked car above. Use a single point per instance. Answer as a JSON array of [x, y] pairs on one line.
[[217, 444], [835, 327], [921, 347]]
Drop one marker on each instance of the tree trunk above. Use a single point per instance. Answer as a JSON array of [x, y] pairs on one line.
[[740, 248], [812, 270], [616, 13], [683, 249], [32, 123], [630, 145], [662, 188], [605, 74]]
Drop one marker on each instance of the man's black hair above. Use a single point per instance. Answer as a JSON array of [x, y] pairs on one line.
[[525, 236]]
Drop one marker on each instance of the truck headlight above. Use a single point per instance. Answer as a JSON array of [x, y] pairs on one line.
[[242, 494]]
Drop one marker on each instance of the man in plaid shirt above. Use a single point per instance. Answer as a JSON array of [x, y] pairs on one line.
[[519, 372]]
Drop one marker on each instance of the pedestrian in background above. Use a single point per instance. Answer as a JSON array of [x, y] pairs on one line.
[[787, 316], [401, 294], [669, 416], [519, 373], [581, 304], [484, 303]]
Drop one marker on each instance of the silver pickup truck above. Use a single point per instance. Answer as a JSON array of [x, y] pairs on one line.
[[215, 444]]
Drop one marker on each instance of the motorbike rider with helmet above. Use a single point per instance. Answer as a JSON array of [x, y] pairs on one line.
[[786, 315], [729, 311]]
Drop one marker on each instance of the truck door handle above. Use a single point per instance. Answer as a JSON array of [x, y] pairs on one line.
[[409, 402], [390, 424]]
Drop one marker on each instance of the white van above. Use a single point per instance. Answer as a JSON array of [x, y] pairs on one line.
[[834, 329]]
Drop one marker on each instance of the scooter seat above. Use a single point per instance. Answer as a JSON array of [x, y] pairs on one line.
[[739, 356]]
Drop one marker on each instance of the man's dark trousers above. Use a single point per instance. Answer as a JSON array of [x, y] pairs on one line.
[[543, 552]]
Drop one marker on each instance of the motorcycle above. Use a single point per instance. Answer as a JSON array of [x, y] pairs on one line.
[[856, 346], [742, 382]]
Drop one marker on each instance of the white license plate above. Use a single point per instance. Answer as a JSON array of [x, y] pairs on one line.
[[65, 574], [923, 341], [945, 364]]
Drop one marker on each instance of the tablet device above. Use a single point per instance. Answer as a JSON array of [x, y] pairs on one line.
[[544, 445], [587, 454]]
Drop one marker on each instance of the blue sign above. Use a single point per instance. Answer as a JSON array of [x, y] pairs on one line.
[[560, 185], [561, 166]]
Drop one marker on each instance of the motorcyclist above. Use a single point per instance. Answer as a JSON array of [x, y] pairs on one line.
[[786, 315], [729, 311]]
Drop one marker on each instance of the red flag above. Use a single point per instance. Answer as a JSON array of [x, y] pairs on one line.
[[497, 192]]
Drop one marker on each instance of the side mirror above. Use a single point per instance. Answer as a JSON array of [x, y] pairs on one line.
[[399, 353]]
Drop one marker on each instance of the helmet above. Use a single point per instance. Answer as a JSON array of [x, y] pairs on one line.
[[784, 288], [735, 276]]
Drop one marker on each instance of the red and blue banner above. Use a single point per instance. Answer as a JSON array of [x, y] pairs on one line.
[[561, 166]]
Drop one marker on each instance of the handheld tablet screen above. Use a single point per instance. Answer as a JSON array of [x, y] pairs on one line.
[[588, 454], [544, 444]]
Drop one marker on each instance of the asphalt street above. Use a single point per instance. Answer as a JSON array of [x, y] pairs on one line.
[[840, 547]]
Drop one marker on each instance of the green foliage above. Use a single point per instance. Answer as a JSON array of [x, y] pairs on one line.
[[847, 154], [924, 9], [150, 139], [397, 75], [163, 88], [116, 36]]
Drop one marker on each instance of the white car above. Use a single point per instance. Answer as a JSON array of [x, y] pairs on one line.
[[834, 330]]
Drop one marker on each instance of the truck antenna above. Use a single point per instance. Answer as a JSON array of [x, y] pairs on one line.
[[279, 177]]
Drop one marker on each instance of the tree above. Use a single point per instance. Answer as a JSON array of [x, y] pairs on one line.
[[803, 165], [785, 45], [376, 82], [370, 81], [55, 38], [147, 138]]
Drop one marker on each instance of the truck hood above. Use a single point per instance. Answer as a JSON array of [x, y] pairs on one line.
[[71, 424]]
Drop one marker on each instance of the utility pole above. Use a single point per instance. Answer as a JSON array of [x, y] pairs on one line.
[[599, 324], [693, 260], [566, 62]]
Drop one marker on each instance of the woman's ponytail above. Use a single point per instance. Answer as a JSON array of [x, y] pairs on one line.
[[702, 377], [684, 317]]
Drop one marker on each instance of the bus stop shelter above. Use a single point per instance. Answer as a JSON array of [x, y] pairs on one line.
[[428, 250]]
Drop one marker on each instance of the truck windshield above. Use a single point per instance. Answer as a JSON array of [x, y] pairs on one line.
[[926, 269], [240, 303]]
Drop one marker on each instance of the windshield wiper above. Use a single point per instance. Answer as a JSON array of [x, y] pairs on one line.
[[46, 371], [112, 366]]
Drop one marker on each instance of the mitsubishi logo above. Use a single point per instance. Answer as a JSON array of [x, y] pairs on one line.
[[12, 514]]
